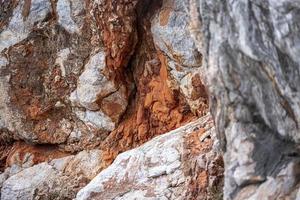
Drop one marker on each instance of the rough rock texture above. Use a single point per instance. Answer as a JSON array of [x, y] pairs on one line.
[[178, 165], [90, 76], [252, 63], [83, 81], [26, 155], [56, 179], [43, 51], [158, 106], [72, 72], [171, 35]]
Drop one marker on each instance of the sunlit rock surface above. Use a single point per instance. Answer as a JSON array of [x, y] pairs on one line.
[[80, 76], [83, 83], [56, 179], [181, 164]]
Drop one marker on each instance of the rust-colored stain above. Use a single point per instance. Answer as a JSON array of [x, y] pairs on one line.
[[164, 16], [22, 152], [156, 108], [26, 9]]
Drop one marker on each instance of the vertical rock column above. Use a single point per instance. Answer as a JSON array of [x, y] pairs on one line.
[[252, 61]]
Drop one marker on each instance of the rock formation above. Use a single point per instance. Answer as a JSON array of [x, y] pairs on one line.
[[56, 179], [176, 165], [83, 81], [251, 54], [110, 99]]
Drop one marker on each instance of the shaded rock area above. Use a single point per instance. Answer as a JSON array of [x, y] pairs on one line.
[[251, 51]]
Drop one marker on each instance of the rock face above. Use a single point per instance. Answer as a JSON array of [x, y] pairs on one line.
[[43, 51], [88, 74], [161, 168], [251, 51], [56, 179], [84, 81], [171, 35], [78, 77]]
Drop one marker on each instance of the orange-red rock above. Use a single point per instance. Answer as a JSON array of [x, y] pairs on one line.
[[26, 155], [84, 75], [157, 107]]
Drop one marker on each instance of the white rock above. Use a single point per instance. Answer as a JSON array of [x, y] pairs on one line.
[[135, 195], [62, 55], [97, 120], [157, 171], [3, 62], [86, 163], [50, 176], [23, 184], [3, 176], [65, 14], [18, 27], [92, 83], [151, 171]]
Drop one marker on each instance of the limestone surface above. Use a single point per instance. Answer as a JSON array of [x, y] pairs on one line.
[[251, 51], [160, 168]]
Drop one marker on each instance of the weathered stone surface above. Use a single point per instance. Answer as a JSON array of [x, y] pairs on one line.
[[112, 75], [171, 35], [69, 14], [56, 179], [107, 75], [33, 106], [93, 87], [23, 184], [160, 169], [26, 155], [158, 106], [23, 20], [49, 52], [251, 51], [67, 79], [92, 83]]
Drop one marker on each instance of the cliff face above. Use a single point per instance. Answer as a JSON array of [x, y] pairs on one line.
[[83, 81], [80, 75], [251, 51], [85, 86]]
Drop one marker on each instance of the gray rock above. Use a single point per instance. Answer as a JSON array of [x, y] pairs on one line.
[[94, 87], [3, 62], [252, 65], [67, 10], [23, 184], [3, 176], [171, 35], [97, 120]]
